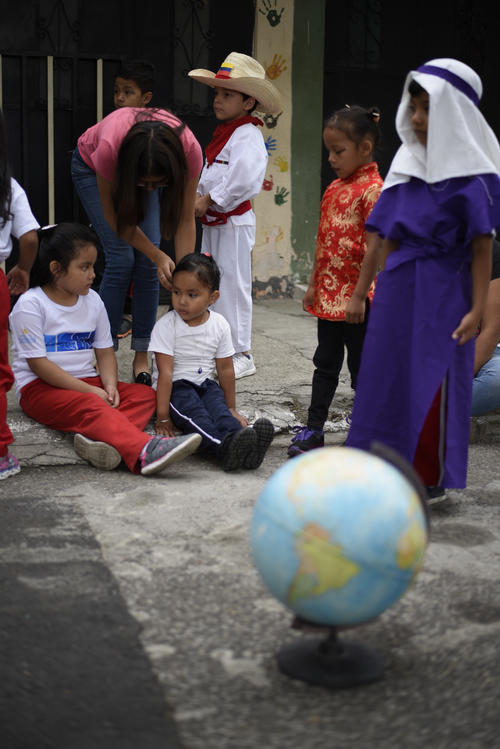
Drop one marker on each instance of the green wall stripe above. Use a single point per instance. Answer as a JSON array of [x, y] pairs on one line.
[[307, 121]]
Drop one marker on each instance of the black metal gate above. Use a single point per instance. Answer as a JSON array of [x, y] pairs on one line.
[[58, 59]]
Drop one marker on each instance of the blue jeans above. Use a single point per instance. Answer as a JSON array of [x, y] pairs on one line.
[[124, 264], [486, 386]]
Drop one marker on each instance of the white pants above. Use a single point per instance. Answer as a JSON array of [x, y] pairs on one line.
[[231, 248]]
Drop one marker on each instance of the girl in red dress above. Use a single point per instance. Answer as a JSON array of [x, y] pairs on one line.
[[344, 266]]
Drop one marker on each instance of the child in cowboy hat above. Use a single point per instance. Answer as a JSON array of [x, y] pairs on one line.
[[235, 165]]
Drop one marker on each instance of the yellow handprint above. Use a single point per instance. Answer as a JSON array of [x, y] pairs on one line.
[[275, 69], [281, 163]]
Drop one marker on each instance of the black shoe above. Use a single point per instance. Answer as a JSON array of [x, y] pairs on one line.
[[435, 495], [235, 448], [265, 433], [143, 378]]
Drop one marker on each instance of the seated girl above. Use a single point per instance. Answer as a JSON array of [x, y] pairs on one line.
[[57, 327]]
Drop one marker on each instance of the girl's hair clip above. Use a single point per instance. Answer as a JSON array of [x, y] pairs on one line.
[[207, 254], [347, 106], [46, 228], [375, 117]]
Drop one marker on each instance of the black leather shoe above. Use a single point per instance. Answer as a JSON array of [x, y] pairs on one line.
[[143, 378]]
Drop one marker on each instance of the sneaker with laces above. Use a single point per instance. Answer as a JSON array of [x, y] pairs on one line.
[[244, 365], [236, 447], [99, 454], [161, 452], [265, 433], [305, 439], [9, 466]]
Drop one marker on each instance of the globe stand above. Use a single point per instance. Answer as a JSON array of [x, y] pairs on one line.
[[330, 662]]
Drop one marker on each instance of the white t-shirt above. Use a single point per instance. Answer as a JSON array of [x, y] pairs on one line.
[[21, 221], [237, 174], [65, 335], [194, 347]]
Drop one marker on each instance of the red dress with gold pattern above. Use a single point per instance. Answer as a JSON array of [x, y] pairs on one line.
[[341, 241]]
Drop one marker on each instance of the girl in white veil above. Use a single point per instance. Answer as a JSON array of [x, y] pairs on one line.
[[436, 214]]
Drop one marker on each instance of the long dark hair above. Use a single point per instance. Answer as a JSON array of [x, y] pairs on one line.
[[61, 243], [151, 148], [5, 175]]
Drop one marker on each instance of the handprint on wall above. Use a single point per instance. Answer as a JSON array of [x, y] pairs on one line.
[[270, 144], [268, 184], [277, 66], [281, 163], [271, 120], [280, 196], [271, 13]]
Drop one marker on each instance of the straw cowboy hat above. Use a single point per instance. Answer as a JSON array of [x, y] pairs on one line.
[[242, 73]]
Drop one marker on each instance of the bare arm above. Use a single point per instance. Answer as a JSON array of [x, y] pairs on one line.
[[481, 274], [185, 236], [19, 276], [52, 374], [225, 372], [134, 235], [164, 425], [355, 309], [108, 372], [489, 335], [388, 246]]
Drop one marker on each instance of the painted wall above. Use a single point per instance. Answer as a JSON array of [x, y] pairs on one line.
[[289, 42], [272, 253]]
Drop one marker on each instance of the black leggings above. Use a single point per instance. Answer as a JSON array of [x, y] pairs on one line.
[[333, 335]]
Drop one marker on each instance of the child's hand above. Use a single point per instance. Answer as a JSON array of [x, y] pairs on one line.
[[101, 393], [467, 328], [355, 310], [239, 417], [165, 427], [202, 204], [18, 280], [308, 299], [113, 396]]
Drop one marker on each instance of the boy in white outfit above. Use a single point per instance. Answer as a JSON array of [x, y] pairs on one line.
[[235, 165]]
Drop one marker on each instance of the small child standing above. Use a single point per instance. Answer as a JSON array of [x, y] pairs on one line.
[[57, 327], [234, 170], [436, 214], [190, 342], [16, 219], [344, 267]]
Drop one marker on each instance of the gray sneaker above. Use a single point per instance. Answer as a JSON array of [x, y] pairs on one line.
[[161, 452], [99, 454]]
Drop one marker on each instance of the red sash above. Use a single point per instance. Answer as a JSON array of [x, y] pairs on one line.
[[221, 218]]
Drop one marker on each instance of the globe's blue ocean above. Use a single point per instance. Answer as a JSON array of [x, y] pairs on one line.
[[338, 535]]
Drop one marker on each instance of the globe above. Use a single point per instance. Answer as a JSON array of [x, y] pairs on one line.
[[338, 535]]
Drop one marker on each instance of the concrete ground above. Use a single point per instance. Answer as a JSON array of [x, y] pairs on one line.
[[132, 614]]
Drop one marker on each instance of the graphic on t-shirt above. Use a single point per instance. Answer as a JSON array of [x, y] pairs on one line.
[[69, 341]]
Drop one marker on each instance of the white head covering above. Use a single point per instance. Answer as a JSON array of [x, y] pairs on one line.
[[460, 142]]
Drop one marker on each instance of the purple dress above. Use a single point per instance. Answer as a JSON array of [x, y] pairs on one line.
[[420, 298]]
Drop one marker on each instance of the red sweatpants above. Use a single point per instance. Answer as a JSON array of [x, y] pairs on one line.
[[88, 414], [6, 376]]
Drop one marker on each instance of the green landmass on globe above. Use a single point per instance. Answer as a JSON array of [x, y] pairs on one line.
[[316, 573]]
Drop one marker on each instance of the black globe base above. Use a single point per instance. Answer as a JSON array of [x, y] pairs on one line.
[[330, 662]]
